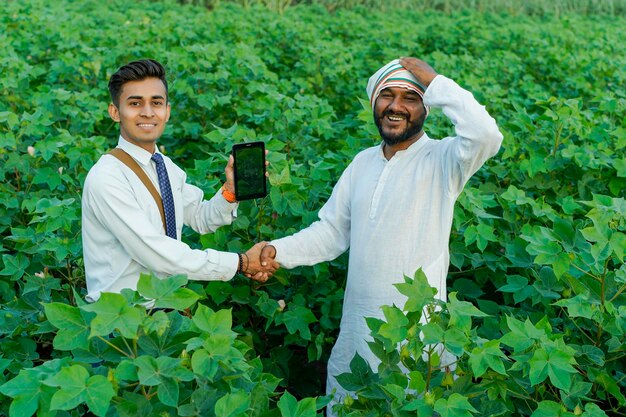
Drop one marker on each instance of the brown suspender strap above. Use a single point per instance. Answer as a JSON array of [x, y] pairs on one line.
[[128, 160]]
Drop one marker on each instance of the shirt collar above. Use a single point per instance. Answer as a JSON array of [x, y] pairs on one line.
[[139, 154]]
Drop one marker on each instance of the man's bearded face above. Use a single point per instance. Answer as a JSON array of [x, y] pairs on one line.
[[399, 115]]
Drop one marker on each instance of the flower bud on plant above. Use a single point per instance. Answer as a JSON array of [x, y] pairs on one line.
[[184, 356], [281, 305], [578, 411], [404, 352], [112, 379], [60, 170], [448, 379], [31, 150], [348, 401], [429, 398]]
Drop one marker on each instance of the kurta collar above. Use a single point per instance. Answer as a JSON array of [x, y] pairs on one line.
[[411, 150], [139, 154]]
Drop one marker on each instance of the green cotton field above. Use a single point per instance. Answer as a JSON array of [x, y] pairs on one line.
[[536, 313]]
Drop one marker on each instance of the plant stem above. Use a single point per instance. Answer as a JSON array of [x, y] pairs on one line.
[[621, 290]]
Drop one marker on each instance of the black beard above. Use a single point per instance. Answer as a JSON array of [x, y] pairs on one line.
[[412, 129]]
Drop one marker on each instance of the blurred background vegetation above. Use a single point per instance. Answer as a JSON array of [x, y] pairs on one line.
[[515, 7]]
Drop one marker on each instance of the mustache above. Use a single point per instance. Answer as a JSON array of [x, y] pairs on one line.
[[393, 113]]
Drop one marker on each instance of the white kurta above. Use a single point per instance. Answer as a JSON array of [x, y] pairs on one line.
[[395, 216]]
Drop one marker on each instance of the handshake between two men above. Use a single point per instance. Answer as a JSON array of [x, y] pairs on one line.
[[259, 262]]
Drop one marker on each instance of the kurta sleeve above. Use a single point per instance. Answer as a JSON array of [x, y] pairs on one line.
[[477, 135], [325, 239]]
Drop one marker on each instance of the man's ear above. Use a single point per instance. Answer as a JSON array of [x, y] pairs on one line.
[[114, 112], [167, 116]]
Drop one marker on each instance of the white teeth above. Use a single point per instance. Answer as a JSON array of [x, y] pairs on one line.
[[396, 118], [146, 125]]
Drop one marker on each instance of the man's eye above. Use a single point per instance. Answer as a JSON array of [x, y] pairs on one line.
[[157, 103], [135, 103]]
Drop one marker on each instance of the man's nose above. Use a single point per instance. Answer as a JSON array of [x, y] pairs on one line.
[[395, 104], [147, 110]]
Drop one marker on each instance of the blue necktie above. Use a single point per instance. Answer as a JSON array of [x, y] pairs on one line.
[[166, 196]]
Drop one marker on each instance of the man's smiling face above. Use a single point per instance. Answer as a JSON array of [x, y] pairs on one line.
[[143, 112], [399, 114]]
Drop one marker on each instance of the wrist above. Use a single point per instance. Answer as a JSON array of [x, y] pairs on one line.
[[239, 263], [228, 194]]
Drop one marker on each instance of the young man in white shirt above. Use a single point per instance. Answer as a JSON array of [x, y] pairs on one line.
[[125, 230], [393, 205]]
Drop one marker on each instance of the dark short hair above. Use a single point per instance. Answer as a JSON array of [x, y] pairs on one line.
[[135, 71]]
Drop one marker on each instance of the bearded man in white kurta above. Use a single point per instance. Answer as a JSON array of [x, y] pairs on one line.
[[393, 205]]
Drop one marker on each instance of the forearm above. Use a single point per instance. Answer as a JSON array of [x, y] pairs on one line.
[[117, 210], [206, 216], [475, 129], [317, 243]]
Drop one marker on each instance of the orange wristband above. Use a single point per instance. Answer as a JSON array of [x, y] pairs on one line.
[[228, 195]]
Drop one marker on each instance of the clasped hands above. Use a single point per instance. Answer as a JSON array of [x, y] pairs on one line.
[[259, 262]]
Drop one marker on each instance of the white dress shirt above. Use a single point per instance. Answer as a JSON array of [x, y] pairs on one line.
[[395, 216], [123, 233]]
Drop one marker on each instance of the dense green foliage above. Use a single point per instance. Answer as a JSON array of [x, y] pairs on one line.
[[538, 321], [526, 7]]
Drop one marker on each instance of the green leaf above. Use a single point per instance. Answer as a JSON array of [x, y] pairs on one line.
[[608, 383], [416, 381], [203, 364], [577, 391], [290, 407], [419, 405], [618, 244], [548, 409], [25, 391], [10, 118], [433, 333], [592, 410], [418, 291], [455, 406], [522, 334], [455, 340], [113, 312], [297, 319], [461, 312], [213, 323], [555, 361], [72, 383], [487, 356], [359, 377], [484, 235], [155, 371], [14, 265], [395, 328], [579, 306], [73, 328], [167, 292], [99, 394], [232, 405], [168, 392], [148, 371], [518, 285]]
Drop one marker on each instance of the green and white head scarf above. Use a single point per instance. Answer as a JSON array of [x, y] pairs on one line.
[[393, 75]]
